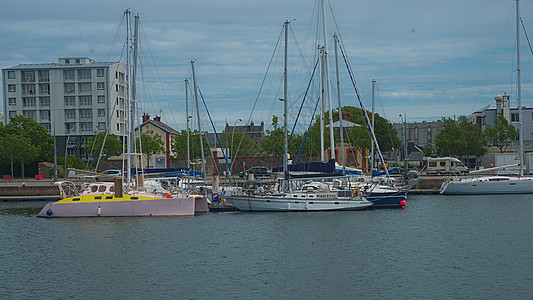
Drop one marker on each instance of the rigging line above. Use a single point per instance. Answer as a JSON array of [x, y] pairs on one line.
[[527, 37], [384, 114], [373, 136], [260, 89], [308, 129], [216, 135], [492, 58]]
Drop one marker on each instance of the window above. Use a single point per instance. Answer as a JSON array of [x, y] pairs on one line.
[[429, 136], [86, 100], [70, 128], [28, 102], [11, 88], [70, 101], [84, 74], [67, 61], [515, 117], [44, 115], [44, 89], [10, 74], [12, 113], [101, 99], [70, 115], [101, 125], [44, 101], [100, 85], [47, 127], [28, 89], [77, 60], [69, 88], [101, 113], [100, 72], [29, 113], [28, 76], [44, 76], [72, 141], [86, 114], [12, 101], [85, 88], [68, 75], [86, 127]]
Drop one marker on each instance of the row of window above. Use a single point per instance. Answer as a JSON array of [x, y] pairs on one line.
[[45, 101], [44, 89], [44, 75]]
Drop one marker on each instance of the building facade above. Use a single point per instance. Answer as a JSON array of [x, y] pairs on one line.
[[421, 134], [72, 99]]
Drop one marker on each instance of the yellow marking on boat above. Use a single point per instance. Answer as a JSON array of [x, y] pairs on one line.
[[104, 198]]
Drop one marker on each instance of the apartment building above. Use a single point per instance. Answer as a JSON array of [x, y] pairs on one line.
[[73, 99]]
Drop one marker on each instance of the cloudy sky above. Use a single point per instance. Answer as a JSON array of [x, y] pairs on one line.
[[431, 59]]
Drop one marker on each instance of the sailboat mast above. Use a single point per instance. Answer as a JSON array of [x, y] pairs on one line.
[[322, 107], [372, 150], [285, 115], [125, 133], [198, 117], [187, 118], [519, 93], [336, 38], [326, 71]]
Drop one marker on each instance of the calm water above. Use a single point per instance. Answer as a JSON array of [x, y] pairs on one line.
[[438, 247]]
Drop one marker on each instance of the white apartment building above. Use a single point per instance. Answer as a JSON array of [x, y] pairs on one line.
[[73, 99]]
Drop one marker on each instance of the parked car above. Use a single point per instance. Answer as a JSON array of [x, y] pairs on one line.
[[113, 172], [259, 172]]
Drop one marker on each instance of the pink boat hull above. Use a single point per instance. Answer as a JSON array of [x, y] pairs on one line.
[[186, 206]]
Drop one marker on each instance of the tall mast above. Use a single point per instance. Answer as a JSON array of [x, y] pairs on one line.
[[187, 117], [520, 117], [336, 38], [285, 116], [326, 71], [198, 117], [134, 94], [125, 134], [322, 108], [372, 151]]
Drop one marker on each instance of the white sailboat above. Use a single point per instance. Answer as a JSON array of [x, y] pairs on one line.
[[488, 185], [317, 197]]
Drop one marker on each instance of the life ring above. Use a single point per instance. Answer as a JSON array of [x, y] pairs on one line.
[[356, 191], [448, 180]]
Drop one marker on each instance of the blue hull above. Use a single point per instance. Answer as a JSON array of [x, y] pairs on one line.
[[387, 199]]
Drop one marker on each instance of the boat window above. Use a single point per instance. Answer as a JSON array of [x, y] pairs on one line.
[[336, 202], [94, 188], [310, 202], [97, 197], [76, 199], [101, 188], [134, 198], [295, 196], [109, 197]]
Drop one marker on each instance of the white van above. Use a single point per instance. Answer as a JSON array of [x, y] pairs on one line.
[[444, 165]]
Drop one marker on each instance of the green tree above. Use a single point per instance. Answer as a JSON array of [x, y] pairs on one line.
[[428, 150], [150, 144], [239, 142], [501, 135], [179, 145], [35, 132], [460, 139], [274, 142], [12, 146], [113, 146]]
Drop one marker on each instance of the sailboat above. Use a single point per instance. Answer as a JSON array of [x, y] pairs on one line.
[[130, 202], [488, 185], [315, 197]]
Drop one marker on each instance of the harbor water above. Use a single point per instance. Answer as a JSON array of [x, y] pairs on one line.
[[438, 247]]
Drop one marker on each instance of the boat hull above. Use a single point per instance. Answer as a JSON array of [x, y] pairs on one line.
[[118, 207], [487, 187], [250, 203], [387, 199]]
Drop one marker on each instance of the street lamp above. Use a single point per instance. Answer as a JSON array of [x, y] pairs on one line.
[[231, 152]]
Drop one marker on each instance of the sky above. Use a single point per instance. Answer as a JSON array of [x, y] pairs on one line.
[[430, 59]]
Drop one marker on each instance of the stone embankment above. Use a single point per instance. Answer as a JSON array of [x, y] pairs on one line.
[[28, 190]]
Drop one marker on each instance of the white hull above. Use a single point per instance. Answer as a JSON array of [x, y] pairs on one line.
[[488, 186], [272, 203]]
